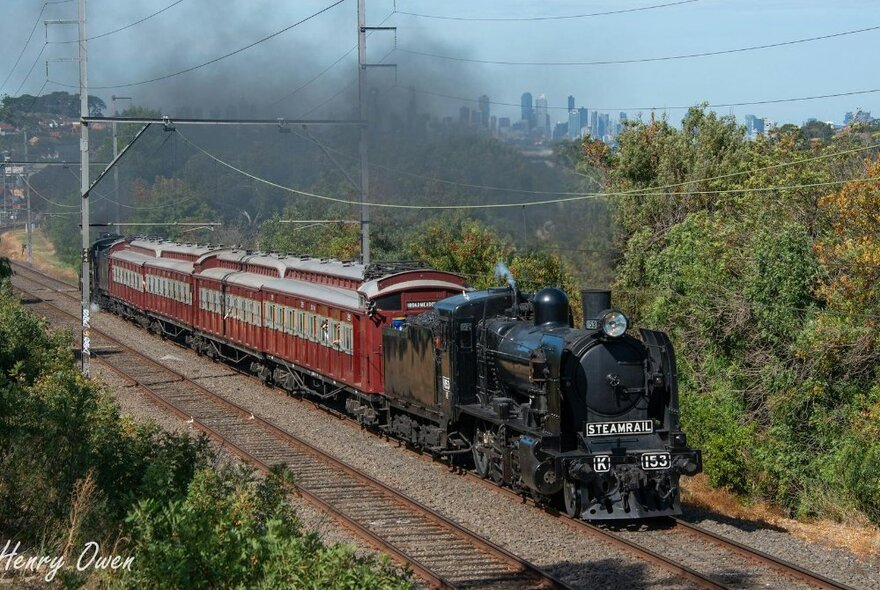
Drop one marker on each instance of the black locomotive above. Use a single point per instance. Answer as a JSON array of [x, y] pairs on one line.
[[588, 417]]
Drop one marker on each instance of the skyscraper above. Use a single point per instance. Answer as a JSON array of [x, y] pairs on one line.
[[541, 113], [594, 125], [754, 125], [526, 103], [574, 124], [603, 125], [464, 116], [570, 105], [585, 117], [484, 110]]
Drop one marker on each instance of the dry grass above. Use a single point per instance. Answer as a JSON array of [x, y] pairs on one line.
[[859, 536], [45, 258]]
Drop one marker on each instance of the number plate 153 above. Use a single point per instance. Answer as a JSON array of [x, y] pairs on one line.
[[656, 461]]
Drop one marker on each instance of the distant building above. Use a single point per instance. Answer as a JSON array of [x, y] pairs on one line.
[[493, 124], [859, 116], [585, 117], [604, 127], [574, 124], [527, 112], [754, 126], [543, 119], [560, 130], [476, 119], [594, 125], [464, 116], [570, 103], [484, 110]]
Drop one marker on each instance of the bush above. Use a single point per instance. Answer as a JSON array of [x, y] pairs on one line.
[[234, 531]]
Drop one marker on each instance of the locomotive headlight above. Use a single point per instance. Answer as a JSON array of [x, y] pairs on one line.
[[614, 323]]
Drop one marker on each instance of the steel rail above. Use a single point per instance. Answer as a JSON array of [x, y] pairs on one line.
[[785, 567], [521, 568]]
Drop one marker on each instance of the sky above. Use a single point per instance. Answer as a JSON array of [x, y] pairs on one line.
[[192, 32]]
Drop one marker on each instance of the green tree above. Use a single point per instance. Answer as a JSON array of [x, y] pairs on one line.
[[461, 245]]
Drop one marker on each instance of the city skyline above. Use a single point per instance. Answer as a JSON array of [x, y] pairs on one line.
[[321, 76]]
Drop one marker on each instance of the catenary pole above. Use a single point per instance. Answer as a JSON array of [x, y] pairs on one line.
[[362, 100], [84, 186], [27, 190]]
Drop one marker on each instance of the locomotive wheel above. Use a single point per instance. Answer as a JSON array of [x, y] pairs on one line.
[[482, 460], [571, 498]]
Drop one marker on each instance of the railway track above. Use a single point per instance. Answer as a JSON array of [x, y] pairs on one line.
[[786, 568], [699, 579], [439, 550]]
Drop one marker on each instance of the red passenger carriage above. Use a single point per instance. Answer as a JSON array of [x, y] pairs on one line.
[[305, 323]]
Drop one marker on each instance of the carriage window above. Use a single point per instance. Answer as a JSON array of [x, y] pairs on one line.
[[335, 334], [346, 338]]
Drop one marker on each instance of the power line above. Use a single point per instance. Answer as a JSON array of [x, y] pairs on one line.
[[642, 193], [541, 18], [341, 90], [48, 200], [128, 26], [31, 70], [637, 60], [28, 42], [656, 107], [324, 71], [37, 95], [212, 61], [443, 180], [721, 177], [328, 68]]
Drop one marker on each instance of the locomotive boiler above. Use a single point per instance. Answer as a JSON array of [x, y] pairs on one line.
[[586, 417]]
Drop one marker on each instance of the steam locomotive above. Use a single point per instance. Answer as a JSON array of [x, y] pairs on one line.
[[589, 413], [583, 417]]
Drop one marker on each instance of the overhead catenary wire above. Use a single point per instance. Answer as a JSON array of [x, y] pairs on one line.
[[544, 18], [128, 26], [634, 193], [609, 62], [211, 61]]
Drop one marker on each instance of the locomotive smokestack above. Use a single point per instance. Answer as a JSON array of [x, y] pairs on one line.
[[594, 302]]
